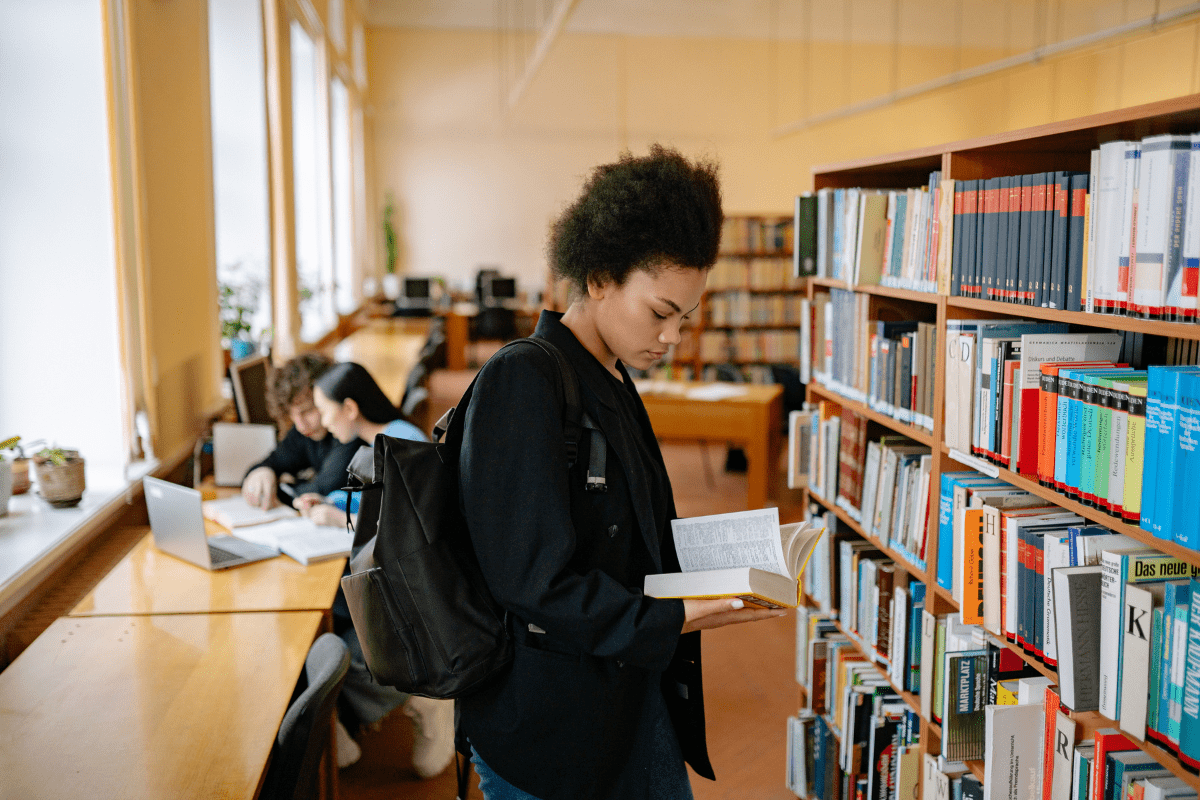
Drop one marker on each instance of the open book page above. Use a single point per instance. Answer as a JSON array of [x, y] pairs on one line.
[[300, 538], [739, 539], [235, 512]]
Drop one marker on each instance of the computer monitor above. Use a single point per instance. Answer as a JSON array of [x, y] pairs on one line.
[[250, 377], [499, 291], [416, 297]]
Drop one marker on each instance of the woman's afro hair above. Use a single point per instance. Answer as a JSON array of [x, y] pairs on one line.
[[639, 213]]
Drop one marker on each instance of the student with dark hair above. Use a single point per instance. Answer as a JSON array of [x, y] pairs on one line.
[[353, 408], [603, 698], [307, 447]]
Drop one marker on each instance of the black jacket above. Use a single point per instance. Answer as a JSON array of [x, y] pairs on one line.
[[560, 723], [297, 452]]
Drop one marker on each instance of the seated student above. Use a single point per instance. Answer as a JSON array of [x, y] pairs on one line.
[[354, 409], [307, 446]]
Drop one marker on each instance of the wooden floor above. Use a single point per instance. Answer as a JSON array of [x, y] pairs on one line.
[[749, 683]]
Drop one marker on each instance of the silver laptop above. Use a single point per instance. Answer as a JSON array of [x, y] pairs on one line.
[[177, 521]]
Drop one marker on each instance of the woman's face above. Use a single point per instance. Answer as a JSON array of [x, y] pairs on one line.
[[639, 321], [336, 417]]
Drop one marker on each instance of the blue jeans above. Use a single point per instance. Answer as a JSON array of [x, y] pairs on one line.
[[492, 786]]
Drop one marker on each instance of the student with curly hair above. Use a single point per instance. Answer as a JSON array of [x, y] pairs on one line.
[[603, 698], [308, 446]]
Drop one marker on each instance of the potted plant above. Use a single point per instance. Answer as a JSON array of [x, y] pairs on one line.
[[6, 473], [238, 304], [12, 452], [60, 476], [391, 281]]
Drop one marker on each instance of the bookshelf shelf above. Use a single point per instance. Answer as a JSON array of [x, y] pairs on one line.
[[1182, 330], [1095, 515], [911, 431], [911, 699], [1065, 145]]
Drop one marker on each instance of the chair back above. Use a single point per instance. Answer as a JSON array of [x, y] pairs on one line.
[[304, 733]]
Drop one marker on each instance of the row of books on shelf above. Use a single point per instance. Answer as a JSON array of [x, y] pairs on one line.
[[749, 309], [756, 235], [989, 703], [750, 345], [875, 237], [1071, 411], [1122, 238], [888, 366], [882, 484], [764, 273], [762, 374]]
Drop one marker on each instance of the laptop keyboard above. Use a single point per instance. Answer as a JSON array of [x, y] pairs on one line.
[[220, 556]]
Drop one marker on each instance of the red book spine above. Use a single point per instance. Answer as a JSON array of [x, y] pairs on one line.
[[1049, 741], [1022, 562], [1108, 740], [1039, 574]]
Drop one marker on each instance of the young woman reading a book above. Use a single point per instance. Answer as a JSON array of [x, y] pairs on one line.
[[603, 698]]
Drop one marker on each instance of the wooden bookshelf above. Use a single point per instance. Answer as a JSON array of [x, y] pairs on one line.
[[1062, 145]]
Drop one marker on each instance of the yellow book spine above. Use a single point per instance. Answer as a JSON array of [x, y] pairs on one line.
[[1135, 448]]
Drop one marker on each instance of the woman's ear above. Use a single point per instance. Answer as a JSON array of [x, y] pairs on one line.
[[597, 289], [351, 409]]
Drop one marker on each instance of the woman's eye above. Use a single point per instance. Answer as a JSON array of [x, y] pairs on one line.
[[658, 315]]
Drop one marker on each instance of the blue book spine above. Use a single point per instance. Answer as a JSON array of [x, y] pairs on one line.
[[1189, 728], [945, 554], [1087, 436], [1156, 661], [896, 266], [1074, 423], [916, 591], [1076, 532], [1061, 435], [1168, 451], [1187, 454], [1170, 596], [1179, 644], [839, 225], [1154, 381]]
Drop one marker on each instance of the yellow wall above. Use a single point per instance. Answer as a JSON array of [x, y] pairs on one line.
[[474, 185], [173, 160]]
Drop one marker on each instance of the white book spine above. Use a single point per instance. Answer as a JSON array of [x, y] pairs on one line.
[[1112, 593], [1129, 220], [1135, 660]]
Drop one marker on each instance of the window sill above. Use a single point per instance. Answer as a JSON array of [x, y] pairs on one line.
[[35, 537]]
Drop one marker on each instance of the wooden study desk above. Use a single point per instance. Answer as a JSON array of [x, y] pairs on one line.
[[389, 349], [753, 420], [148, 581], [171, 706]]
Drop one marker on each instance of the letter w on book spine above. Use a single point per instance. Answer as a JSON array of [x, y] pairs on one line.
[[745, 554]]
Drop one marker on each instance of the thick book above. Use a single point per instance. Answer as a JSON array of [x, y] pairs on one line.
[[804, 255], [744, 554], [1063, 757], [965, 698], [1077, 232], [1140, 603], [1077, 621], [235, 512], [1189, 726], [1108, 740], [300, 539], [1013, 766]]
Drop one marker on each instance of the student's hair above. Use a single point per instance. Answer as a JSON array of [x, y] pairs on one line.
[[290, 382], [638, 213], [350, 380]]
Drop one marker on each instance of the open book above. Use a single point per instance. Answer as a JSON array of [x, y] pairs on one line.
[[745, 554], [235, 512], [300, 539]]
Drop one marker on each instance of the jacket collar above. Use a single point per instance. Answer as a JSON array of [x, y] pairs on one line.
[[593, 374], [598, 382]]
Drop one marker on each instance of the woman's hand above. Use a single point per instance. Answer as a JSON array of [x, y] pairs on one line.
[[259, 488], [700, 615], [306, 501], [321, 512]]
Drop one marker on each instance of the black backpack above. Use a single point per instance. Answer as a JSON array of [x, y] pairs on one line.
[[427, 623]]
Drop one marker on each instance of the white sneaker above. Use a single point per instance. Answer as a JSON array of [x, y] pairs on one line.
[[348, 751], [433, 734]]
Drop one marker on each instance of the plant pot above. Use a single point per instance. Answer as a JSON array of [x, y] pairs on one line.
[[391, 286], [6, 482], [240, 348], [60, 485], [20, 475]]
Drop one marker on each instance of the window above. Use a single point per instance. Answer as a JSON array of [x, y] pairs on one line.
[[240, 156], [311, 174], [343, 219]]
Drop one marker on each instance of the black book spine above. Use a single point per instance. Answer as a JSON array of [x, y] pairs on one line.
[[1037, 239], [957, 243], [1026, 215], [1014, 237], [991, 207], [1077, 230], [978, 283], [1062, 219], [1002, 201]]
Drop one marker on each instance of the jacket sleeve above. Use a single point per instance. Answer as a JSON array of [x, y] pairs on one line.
[[516, 498], [289, 456], [331, 474]]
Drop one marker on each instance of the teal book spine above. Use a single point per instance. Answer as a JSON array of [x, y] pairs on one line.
[[1162, 732], [1088, 412], [1074, 431], [1189, 728], [1186, 520], [1105, 401], [1156, 658], [1062, 427], [1168, 454], [1083, 776], [1179, 644], [1150, 459]]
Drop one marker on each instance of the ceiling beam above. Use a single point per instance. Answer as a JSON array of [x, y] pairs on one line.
[[550, 30]]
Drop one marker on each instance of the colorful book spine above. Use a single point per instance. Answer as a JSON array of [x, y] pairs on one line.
[[1186, 519], [1179, 650], [1135, 454], [1189, 728]]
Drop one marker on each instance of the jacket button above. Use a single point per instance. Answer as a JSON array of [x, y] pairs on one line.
[[612, 530]]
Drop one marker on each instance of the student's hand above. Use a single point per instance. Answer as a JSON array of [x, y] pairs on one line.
[[323, 513], [259, 488], [700, 615], [307, 501]]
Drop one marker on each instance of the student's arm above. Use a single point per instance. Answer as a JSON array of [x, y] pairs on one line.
[[331, 475], [513, 479]]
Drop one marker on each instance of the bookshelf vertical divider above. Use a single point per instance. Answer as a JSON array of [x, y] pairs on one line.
[[1065, 145]]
